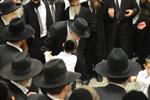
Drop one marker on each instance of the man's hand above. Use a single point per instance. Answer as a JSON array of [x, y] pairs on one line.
[[111, 12], [48, 55], [129, 13], [141, 25]]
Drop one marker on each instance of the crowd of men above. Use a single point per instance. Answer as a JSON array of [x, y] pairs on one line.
[[40, 40]]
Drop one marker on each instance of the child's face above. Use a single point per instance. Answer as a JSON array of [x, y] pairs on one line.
[[147, 67]]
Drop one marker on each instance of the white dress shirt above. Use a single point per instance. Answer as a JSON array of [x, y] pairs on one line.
[[22, 88], [69, 59], [42, 10], [144, 81], [52, 97], [119, 2], [15, 46]]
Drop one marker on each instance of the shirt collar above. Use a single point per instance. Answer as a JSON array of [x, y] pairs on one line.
[[52, 97], [120, 85], [15, 46], [22, 88]]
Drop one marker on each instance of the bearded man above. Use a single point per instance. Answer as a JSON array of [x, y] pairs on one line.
[[72, 12]]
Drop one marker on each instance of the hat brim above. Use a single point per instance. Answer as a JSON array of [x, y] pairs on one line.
[[77, 32], [102, 69], [9, 11], [40, 81], [26, 34], [36, 67]]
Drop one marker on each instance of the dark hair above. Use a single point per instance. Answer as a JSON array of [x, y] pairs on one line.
[[70, 46], [134, 95], [53, 91], [118, 80], [147, 60], [84, 92]]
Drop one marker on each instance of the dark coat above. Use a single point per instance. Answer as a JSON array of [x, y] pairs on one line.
[[119, 30], [97, 40], [1, 24], [84, 44], [19, 95], [56, 37], [31, 18], [145, 12], [143, 36], [2, 41], [111, 92], [38, 97]]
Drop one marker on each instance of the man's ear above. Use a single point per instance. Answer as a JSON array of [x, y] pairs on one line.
[[144, 65], [66, 88]]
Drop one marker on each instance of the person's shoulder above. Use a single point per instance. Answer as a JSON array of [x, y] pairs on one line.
[[3, 46], [74, 56], [142, 71], [38, 97], [59, 24]]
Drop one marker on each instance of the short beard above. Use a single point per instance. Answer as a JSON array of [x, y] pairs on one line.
[[76, 9], [95, 4]]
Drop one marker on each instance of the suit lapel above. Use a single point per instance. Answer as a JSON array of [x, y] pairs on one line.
[[11, 48], [122, 9], [16, 91], [49, 20], [67, 13]]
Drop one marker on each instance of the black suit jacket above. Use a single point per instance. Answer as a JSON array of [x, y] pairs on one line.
[[84, 44], [31, 16], [38, 97], [2, 41], [98, 39], [19, 95], [125, 4], [1, 24], [7, 53], [56, 37], [119, 31], [111, 92]]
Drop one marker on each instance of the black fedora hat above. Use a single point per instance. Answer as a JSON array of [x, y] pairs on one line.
[[81, 94], [17, 30], [80, 27], [21, 67], [7, 7], [55, 75], [117, 65], [135, 95]]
